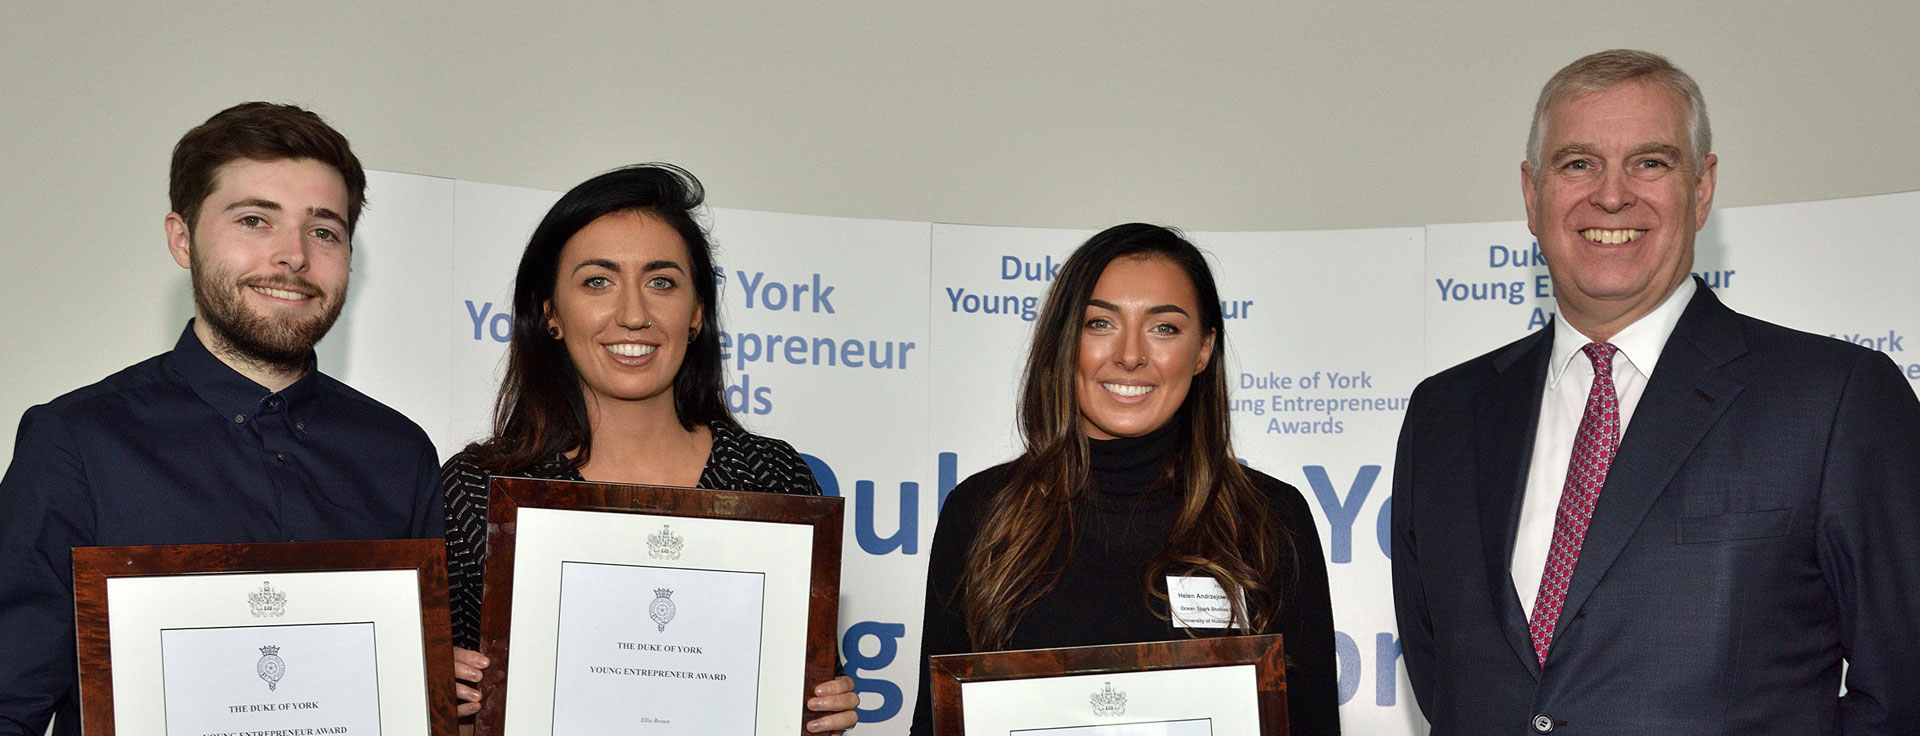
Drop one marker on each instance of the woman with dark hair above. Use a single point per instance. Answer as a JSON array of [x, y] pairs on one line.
[[614, 374], [1128, 505]]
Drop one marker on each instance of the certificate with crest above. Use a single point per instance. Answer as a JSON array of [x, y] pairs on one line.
[[1222, 686], [346, 638], [614, 608]]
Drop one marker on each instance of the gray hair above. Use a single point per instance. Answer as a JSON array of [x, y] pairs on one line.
[[1608, 69]]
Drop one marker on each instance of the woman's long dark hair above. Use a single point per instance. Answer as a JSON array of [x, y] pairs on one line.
[[1224, 529], [541, 412]]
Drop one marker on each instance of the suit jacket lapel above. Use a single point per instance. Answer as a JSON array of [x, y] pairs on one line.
[[1685, 396], [1504, 415]]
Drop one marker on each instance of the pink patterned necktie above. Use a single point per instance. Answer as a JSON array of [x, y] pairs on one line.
[[1593, 448]]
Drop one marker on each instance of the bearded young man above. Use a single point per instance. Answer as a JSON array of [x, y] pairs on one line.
[[233, 436]]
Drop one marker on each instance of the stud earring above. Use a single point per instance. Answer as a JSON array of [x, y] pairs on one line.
[[553, 332]]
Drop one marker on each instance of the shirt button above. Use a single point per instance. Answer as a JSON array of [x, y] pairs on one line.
[[1542, 724], [302, 426], [239, 419], [281, 456]]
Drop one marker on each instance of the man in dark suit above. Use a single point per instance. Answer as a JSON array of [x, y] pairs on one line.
[[1658, 516]]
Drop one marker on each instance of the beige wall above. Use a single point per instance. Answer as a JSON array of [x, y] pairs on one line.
[[1245, 115]]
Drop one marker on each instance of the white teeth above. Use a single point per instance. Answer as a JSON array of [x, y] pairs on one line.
[[1126, 389], [631, 350], [281, 293], [1611, 237]]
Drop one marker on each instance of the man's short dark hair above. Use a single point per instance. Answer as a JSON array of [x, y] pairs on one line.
[[259, 131]]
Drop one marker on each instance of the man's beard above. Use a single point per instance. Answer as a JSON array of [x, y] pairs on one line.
[[252, 336]]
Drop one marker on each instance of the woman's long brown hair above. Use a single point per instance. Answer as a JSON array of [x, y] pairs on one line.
[[1224, 529]]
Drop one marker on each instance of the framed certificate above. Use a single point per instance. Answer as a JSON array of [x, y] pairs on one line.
[[659, 610], [343, 638], [1226, 686]]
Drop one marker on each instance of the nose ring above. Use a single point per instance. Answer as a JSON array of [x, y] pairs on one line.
[[648, 324]]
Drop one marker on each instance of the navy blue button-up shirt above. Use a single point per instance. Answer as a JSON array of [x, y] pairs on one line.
[[182, 449]]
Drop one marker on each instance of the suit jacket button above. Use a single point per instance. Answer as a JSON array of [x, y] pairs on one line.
[[1542, 724]]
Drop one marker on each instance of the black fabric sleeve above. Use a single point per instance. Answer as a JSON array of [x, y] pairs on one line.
[[466, 493], [48, 507], [1409, 595], [943, 629], [1869, 545], [1306, 619], [430, 513]]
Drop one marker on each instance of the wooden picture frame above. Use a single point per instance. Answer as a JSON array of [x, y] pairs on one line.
[[812, 527], [145, 574], [1084, 675]]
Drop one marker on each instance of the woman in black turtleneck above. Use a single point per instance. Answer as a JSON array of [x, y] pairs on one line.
[[1128, 477]]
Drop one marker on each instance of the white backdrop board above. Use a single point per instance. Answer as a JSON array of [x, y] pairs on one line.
[[911, 337], [1843, 268], [389, 342], [1322, 370], [842, 374]]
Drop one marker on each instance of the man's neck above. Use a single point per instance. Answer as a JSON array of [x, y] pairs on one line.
[[1601, 329], [274, 377], [1601, 321]]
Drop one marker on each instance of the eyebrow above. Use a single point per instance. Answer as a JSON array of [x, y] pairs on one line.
[[659, 265], [1582, 149], [1162, 309], [265, 204], [1665, 149], [326, 214], [662, 265], [1168, 309], [268, 204], [1571, 149]]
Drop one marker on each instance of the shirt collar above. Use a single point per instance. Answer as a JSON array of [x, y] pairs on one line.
[[235, 395], [1640, 343]]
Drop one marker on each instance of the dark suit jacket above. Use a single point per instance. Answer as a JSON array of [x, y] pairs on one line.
[[1760, 523]]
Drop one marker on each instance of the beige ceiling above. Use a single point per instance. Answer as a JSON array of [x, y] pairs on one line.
[[1242, 115]]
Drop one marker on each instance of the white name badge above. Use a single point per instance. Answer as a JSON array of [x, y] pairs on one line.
[[1199, 603]]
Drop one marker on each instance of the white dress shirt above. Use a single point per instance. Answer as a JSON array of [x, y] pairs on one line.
[[1563, 401]]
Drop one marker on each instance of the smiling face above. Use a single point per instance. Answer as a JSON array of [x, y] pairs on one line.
[[1617, 203], [624, 306], [1141, 344], [270, 257]]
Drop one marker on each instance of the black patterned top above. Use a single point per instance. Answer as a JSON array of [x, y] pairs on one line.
[[740, 461]]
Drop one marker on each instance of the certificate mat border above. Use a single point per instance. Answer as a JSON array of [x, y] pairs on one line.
[[1265, 653], [506, 496], [92, 566]]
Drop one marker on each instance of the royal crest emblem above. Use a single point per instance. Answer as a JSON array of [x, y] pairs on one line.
[[267, 602], [271, 667], [664, 544], [662, 609], [1108, 702]]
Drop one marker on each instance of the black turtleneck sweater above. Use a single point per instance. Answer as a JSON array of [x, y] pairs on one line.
[[1118, 530]]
